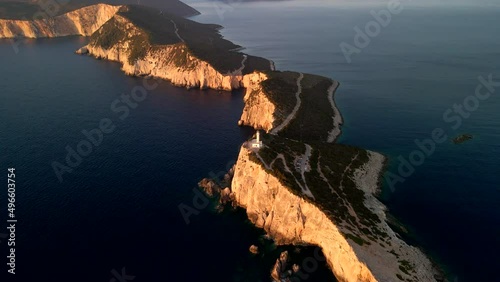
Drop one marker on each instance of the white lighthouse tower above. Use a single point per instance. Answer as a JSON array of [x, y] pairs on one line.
[[257, 143]]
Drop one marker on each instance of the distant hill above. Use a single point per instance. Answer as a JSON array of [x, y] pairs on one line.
[[203, 40], [232, 1], [28, 9]]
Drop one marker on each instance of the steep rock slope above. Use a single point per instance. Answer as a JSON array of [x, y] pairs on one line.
[[173, 48], [290, 219], [320, 206], [304, 189]]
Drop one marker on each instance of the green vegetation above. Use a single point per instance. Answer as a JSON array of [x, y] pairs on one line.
[[280, 88], [30, 9], [406, 267], [139, 48], [109, 35], [313, 120], [332, 166], [356, 239], [112, 33], [394, 253], [157, 28]]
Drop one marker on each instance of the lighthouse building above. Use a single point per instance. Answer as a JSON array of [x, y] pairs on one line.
[[256, 143]]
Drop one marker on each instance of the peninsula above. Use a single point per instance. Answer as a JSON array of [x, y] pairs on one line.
[[300, 186]]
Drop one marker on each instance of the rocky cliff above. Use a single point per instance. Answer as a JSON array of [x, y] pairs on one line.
[[290, 219], [174, 48], [293, 219], [319, 194], [171, 62], [84, 21], [259, 111]]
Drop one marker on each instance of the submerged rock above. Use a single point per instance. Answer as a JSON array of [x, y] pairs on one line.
[[226, 196], [82, 51], [462, 138], [213, 189], [209, 186], [254, 249]]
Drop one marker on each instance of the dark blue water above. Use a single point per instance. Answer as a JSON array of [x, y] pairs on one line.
[[118, 208], [395, 91]]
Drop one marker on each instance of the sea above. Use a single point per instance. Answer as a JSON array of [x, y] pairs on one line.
[[115, 214]]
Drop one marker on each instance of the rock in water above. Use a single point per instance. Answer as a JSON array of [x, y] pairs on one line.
[[254, 249], [462, 138], [226, 196], [211, 188], [279, 269]]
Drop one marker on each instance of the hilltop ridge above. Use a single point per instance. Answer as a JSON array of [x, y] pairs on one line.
[[38, 9]]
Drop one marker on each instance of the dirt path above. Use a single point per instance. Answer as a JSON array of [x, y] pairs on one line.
[[177, 31], [337, 118], [303, 164], [240, 70], [291, 116], [281, 157]]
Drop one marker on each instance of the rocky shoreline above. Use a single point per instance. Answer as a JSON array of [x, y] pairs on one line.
[[268, 204]]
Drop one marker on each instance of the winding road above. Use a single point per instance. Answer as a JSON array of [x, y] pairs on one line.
[[291, 116], [305, 189], [240, 70], [337, 117], [177, 31]]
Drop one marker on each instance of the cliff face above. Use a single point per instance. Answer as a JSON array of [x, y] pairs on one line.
[[259, 111], [160, 62], [288, 217], [291, 219], [84, 21], [172, 62]]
